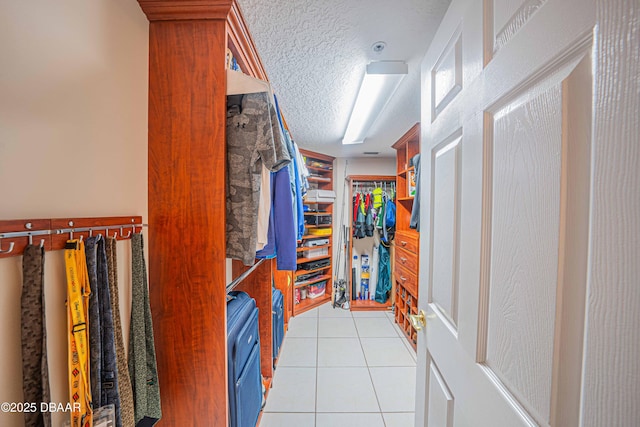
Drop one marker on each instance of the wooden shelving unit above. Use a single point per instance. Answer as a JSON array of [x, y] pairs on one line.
[[321, 168], [406, 243], [188, 42]]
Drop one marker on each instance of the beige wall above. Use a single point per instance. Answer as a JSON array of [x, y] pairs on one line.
[[73, 142]]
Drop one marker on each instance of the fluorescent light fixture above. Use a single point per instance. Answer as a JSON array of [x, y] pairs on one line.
[[378, 86]]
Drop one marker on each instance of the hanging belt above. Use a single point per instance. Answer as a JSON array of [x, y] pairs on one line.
[[78, 291]]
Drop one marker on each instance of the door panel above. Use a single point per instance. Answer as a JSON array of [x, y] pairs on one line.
[[446, 76], [505, 214], [508, 17], [441, 401], [527, 138], [443, 289]]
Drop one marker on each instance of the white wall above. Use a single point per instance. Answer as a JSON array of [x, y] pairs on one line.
[[343, 168], [73, 142]]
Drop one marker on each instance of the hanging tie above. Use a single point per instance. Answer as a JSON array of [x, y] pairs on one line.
[[78, 291]]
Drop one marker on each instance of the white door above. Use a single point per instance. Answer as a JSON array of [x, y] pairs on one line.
[[530, 216]]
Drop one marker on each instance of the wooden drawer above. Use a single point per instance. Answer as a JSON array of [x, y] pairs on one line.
[[407, 279], [408, 241], [407, 259]]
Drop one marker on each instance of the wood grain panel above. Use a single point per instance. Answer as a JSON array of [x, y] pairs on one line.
[[19, 243], [187, 168], [408, 240], [407, 278], [443, 286], [440, 399], [509, 16], [168, 10], [258, 286], [527, 141], [446, 76], [407, 259], [611, 387]]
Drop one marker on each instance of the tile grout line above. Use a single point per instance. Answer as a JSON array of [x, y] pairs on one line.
[[373, 386]]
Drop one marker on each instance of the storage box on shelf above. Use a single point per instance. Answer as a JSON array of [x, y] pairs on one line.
[[312, 281], [407, 246]]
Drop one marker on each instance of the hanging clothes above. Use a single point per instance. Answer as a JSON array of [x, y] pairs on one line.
[[35, 372], [107, 369], [142, 354], [282, 236], [304, 172], [264, 209], [253, 139], [294, 174], [383, 287], [359, 227], [389, 221], [375, 265], [368, 221], [95, 343], [124, 381], [78, 291], [415, 210], [299, 203]]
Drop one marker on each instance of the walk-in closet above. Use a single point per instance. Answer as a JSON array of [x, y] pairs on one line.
[[337, 213]]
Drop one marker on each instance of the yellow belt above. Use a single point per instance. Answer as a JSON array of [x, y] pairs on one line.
[[78, 291]]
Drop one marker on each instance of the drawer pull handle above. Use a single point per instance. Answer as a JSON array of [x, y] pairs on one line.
[[403, 243], [403, 259], [404, 279]]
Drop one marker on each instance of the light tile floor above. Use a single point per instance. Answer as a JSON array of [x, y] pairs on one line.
[[342, 369]]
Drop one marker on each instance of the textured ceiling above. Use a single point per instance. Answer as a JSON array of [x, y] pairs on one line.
[[315, 53]]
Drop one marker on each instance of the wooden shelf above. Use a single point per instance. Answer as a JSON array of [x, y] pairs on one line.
[[319, 179], [405, 171], [301, 272], [311, 282], [406, 238], [314, 168], [368, 305], [302, 249], [306, 202], [322, 169], [301, 260], [313, 236], [309, 303]]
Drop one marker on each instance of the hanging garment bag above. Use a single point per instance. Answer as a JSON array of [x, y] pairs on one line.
[[244, 373], [278, 321]]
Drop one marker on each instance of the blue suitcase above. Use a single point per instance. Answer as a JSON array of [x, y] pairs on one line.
[[243, 346], [278, 321]]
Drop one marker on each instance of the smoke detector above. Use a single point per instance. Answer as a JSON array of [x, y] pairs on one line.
[[378, 47]]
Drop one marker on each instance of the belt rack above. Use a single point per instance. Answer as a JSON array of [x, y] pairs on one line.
[[52, 234]]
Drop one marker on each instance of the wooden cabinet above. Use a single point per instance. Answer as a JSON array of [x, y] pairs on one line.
[[407, 240], [316, 246], [188, 42]]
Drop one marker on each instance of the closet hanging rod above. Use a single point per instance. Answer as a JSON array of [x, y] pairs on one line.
[[15, 234], [25, 234], [235, 282]]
